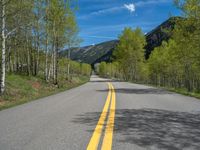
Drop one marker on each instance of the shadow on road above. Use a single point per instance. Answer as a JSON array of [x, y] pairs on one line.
[[139, 91], [150, 127], [106, 80], [101, 80]]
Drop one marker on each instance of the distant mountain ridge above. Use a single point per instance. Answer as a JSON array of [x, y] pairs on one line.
[[161, 33], [92, 54], [103, 51]]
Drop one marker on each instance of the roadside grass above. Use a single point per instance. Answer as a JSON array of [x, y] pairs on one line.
[[185, 92], [21, 89], [182, 91], [177, 90]]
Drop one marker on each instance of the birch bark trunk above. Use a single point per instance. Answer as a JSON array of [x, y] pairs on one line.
[[3, 71]]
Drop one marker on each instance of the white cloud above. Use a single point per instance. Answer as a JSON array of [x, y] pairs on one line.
[[130, 7], [109, 10], [151, 2], [103, 11]]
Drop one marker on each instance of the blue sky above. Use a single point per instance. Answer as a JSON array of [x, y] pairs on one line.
[[103, 20]]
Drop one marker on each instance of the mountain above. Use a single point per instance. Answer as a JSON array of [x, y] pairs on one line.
[[161, 33], [94, 53], [103, 52]]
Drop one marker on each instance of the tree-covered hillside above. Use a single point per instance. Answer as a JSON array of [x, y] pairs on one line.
[[161, 33], [93, 53], [173, 64], [103, 51]]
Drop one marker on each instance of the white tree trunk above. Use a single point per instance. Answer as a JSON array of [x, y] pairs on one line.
[[54, 63], [68, 65], [28, 59], [46, 60], [3, 71]]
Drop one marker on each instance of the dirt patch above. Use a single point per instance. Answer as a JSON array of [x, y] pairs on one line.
[[2, 102], [36, 85]]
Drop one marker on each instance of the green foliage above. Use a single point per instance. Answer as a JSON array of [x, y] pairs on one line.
[[21, 89], [60, 21], [109, 70], [38, 30], [174, 64], [130, 53]]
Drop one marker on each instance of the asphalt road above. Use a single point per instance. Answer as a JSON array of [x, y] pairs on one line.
[[127, 116]]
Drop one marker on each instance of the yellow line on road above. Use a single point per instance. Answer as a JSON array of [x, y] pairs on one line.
[[94, 141], [107, 141]]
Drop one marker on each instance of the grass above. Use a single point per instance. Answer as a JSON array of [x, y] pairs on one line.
[[178, 90], [185, 92], [21, 89]]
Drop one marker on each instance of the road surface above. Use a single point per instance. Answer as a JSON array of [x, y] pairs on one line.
[[101, 115]]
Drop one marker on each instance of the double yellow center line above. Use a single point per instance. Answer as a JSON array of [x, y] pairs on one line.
[[108, 110]]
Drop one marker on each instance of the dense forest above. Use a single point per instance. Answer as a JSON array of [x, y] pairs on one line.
[[174, 64], [33, 32]]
